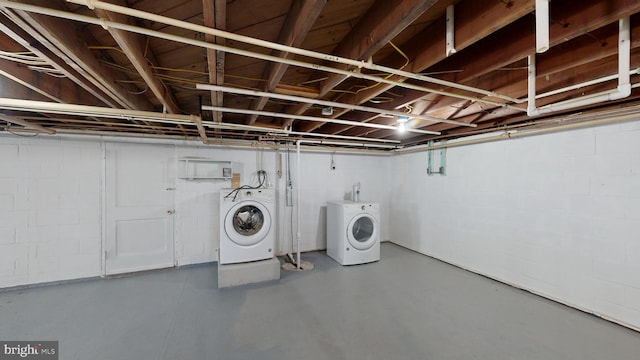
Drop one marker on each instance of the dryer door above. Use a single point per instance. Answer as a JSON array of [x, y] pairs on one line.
[[362, 231], [247, 223]]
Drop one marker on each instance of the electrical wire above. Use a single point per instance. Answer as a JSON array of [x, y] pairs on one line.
[[262, 178], [356, 92]]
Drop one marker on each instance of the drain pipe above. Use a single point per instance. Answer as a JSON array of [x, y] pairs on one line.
[[542, 26], [624, 83]]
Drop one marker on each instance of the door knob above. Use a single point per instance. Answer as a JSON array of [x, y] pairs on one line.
[[170, 212]]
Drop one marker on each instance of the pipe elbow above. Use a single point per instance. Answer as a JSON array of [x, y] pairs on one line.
[[624, 90]]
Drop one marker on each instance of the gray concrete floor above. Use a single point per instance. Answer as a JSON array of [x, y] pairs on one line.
[[407, 306]]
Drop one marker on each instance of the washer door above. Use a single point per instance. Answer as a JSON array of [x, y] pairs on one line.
[[247, 223], [362, 231]]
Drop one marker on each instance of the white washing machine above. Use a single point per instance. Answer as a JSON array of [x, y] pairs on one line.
[[247, 223], [353, 232]]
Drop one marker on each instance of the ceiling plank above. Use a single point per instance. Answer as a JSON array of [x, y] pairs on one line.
[[215, 16], [492, 117], [67, 40], [554, 63], [133, 47], [517, 40], [201, 130], [379, 26], [26, 124], [475, 20], [21, 37], [301, 16], [383, 22], [58, 89]]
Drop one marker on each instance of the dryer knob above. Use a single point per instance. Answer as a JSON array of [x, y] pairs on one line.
[[248, 193], [363, 207]]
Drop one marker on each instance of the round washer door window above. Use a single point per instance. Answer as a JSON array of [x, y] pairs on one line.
[[247, 223], [362, 231]]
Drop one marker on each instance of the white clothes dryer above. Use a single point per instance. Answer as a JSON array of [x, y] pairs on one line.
[[353, 232], [247, 225]]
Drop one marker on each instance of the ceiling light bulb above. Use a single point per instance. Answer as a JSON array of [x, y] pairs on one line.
[[401, 127]]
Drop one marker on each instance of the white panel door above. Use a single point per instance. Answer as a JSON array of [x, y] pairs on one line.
[[139, 207]]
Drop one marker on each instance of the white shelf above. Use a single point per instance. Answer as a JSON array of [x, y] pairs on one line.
[[204, 169]]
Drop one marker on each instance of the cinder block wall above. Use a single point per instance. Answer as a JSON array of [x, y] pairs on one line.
[[52, 193], [50, 210], [557, 214]]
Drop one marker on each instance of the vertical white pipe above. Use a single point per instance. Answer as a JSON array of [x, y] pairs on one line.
[[542, 25], [622, 91], [531, 86], [624, 57], [298, 203], [450, 34]]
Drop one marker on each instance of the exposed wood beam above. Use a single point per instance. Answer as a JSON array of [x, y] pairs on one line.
[[26, 124], [201, 130], [215, 16], [492, 117], [563, 56], [383, 22], [24, 77], [20, 36], [555, 64], [475, 20], [67, 40], [133, 47], [300, 18], [517, 40], [56, 89]]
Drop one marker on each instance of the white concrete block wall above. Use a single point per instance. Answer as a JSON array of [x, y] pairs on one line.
[[557, 214], [197, 201], [51, 211], [50, 206], [319, 184]]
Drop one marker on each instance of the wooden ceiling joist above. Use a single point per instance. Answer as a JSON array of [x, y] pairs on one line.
[[215, 16], [53, 58], [300, 18], [133, 47], [516, 41], [26, 124], [20, 36], [67, 40], [424, 54], [383, 22]]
